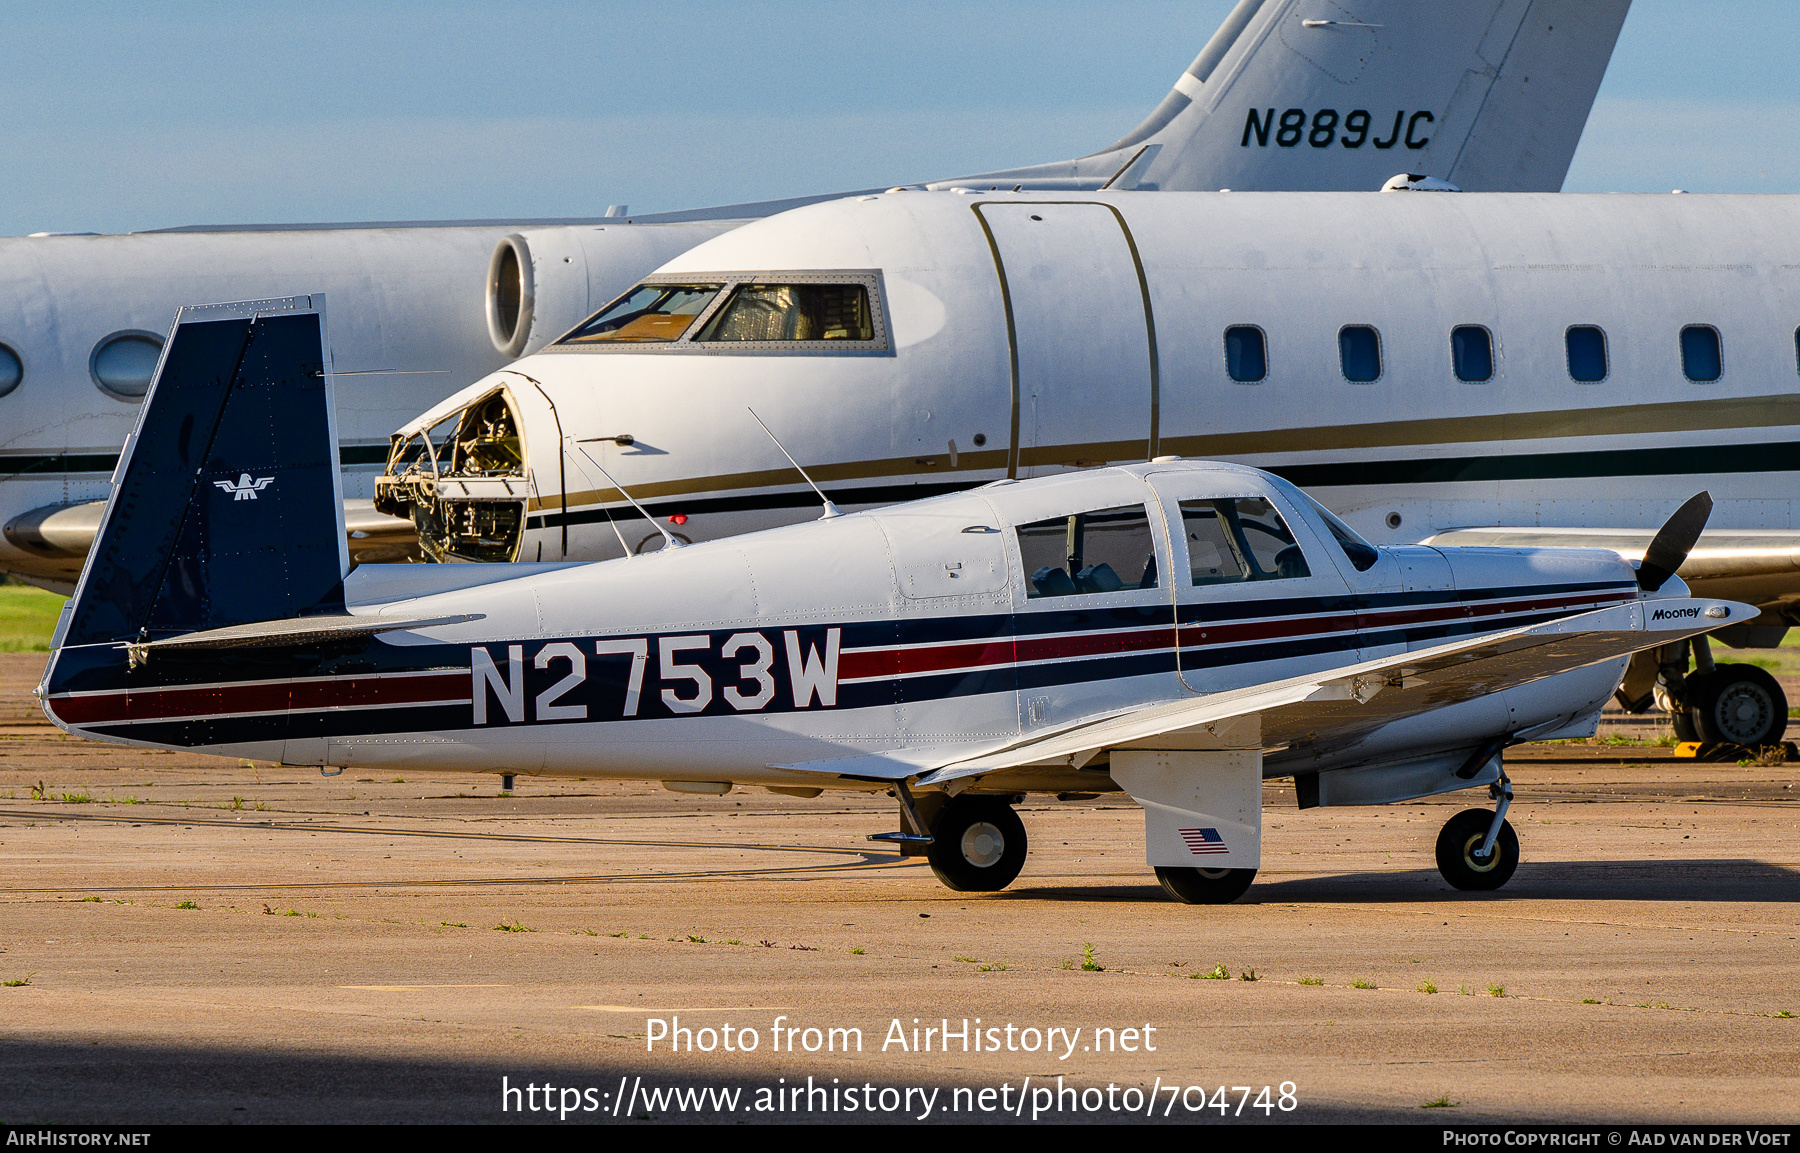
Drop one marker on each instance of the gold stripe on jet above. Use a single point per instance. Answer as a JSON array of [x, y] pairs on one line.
[[1620, 420]]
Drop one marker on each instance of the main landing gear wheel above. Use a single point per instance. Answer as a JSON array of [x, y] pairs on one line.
[[977, 844], [1204, 886], [1737, 705], [1462, 838]]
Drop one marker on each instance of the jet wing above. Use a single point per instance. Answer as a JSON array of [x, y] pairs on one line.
[[1346, 702], [62, 534], [1761, 566]]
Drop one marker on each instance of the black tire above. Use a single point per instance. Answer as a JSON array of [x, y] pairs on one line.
[[1683, 724], [1204, 886], [1737, 705], [977, 844], [1456, 845]]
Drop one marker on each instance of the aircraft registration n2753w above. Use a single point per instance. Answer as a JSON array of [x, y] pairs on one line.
[[1176, 630]]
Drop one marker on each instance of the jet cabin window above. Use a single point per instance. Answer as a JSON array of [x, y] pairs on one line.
[[648, 314], [793, 312], [1359, 350], [1472, 353], [1091, 552], [1246, 354], [1587, 353], [1239, 539], [1700, 358]]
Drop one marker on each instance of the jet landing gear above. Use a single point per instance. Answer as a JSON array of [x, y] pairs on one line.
[[1734, 705], [1478, 850]]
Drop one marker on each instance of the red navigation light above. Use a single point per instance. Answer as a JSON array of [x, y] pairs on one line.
[[678, 518]]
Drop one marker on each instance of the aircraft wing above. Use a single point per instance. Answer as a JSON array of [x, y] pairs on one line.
[[1361, 698], [1761, 566]]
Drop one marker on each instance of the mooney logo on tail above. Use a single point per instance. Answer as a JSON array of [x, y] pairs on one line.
[[245, 488]]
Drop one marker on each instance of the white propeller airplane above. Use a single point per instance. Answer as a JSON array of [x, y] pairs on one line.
[[1489, 368], [1300, 94], [1176, 630]]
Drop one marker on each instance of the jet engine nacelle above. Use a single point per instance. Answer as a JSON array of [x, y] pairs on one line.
[[544, 281]]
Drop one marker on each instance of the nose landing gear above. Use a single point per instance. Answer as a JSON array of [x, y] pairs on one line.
[[1478, 850]]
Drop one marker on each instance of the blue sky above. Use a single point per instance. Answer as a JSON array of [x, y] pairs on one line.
[[126, 117]]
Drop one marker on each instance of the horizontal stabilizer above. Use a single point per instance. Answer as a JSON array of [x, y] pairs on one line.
[[302, 630]]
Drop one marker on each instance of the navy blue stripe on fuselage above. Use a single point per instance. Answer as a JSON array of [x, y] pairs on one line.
[[1144, 636]]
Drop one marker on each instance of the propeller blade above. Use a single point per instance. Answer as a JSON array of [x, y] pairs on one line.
[[1670, 547]]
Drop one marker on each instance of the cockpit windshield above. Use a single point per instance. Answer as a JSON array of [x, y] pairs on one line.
[[793, 312], [648, 314], [1362, 554]]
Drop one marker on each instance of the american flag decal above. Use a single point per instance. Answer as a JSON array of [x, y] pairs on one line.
[[1203, 841]]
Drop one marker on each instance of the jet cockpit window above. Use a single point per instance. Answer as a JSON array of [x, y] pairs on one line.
[[1110, 550], [648, 314], [789, 312], [1239, 539]]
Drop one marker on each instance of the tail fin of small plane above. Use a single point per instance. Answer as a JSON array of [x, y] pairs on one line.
[[227, 504], [1340, 95]]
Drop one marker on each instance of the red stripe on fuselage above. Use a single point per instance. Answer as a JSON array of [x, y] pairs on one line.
[[870, 664], [324, 693], [265, 697]]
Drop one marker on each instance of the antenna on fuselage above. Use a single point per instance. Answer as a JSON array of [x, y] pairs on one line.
[[668, 538], [831, 510]]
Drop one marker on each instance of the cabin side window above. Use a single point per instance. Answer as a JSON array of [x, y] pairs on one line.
[[1472, 353], [1233, 539], [1700, 357], [1109, 550], [1586, 346], [1246, 354], [1359, 351], [12, 370]]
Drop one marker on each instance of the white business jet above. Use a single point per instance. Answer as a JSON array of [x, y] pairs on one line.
[[1176, 630], [1513, 369], [1301, 94]]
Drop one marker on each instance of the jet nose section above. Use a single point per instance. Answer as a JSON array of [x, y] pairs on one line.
[[463, 483]]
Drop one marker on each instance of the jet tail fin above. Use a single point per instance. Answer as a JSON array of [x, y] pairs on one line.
[[1340, 95], [227, 505]]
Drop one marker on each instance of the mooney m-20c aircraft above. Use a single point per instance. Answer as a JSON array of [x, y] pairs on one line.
[[1176, 630], [1507, 369], [1289, 94]]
